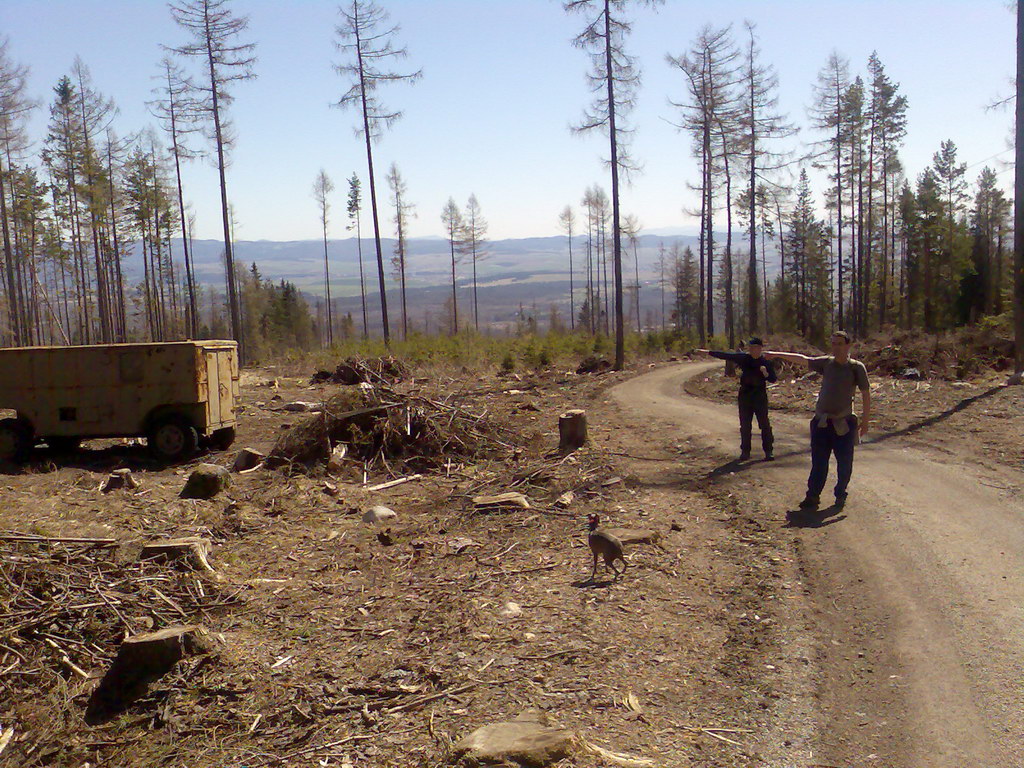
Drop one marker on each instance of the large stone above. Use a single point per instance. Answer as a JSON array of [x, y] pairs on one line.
[[205, 482], [379, 514], [526, 741]]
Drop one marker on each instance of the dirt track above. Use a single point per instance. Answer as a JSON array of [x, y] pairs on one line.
[[914, 593]]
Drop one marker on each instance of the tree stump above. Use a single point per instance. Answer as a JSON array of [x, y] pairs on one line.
[[191, 550], [247, 459], [119, 478], [572, 430], [142, 659]]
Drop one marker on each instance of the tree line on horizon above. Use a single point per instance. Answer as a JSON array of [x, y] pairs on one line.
[[874, 248]]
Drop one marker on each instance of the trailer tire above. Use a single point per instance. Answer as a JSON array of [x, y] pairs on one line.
[[64, 443], [173, 438], [15, 440], [222, 439]]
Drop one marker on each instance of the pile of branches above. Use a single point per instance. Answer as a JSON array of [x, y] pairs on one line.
[[951, 356], [354, 370], [66, 605], [380, 426]]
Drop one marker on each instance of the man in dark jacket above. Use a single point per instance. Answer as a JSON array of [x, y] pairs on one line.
[[756, 372]]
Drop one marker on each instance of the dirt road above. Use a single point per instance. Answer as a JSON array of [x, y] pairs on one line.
[[915, 593]]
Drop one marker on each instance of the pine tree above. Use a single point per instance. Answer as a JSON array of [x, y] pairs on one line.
[[369, 47], [1018, 206], [403, 212], [215, 30], [711, 75], [474, 238], [15, 107], [451, 217], [759, 123], [828, 116], [568, 220], [322, 189], [614, 78], [180, 116], [354, 208]]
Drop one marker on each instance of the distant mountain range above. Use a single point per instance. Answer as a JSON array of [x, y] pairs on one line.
[[527, 272], [428, 260]]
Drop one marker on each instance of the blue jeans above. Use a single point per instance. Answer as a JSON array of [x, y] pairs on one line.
[[824, 443]]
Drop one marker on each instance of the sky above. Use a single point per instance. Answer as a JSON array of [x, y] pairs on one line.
[[501, 87]]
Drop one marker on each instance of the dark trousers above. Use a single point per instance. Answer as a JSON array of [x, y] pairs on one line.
[[824, 443], [755, 403]]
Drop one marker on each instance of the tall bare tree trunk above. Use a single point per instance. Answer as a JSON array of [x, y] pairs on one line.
[[620, 353], [12, 304], [1018, 205]]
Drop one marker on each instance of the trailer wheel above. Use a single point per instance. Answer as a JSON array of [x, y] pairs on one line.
[[173, 438], [15, 440], [222, 439], [64, 443]]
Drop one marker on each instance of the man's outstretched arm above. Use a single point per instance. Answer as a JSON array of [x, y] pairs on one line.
[[789, 357], [734, 356]]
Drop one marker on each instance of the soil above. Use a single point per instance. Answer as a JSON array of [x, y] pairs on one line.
[[979, 419], [733, 640]]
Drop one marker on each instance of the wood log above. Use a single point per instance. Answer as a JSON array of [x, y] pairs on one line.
[[192, 550], [572, 430], [511, 499]]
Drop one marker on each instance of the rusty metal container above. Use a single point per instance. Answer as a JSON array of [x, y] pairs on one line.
[[173, 393]]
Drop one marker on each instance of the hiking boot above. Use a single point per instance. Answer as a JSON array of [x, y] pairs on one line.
[[769, 456], [809, 504], [840, 501], [744, 455]]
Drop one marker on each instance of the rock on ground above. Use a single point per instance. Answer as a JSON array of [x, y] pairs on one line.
[[205, 482], [526, 741], [379, 514]]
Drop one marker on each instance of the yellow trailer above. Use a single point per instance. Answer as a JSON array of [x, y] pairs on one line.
[[175, 394]]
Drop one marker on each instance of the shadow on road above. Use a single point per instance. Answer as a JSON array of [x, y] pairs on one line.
[[829, 516], [939, 417]]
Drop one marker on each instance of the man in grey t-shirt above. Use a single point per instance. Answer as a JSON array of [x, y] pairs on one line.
[[834, 428]]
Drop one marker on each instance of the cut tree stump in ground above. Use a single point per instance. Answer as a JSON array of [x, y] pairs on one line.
[[247, 459], [572, 430], [140, 660], [193, 551], [118, 479]]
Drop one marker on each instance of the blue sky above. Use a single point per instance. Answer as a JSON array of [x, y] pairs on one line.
[[501, 86]]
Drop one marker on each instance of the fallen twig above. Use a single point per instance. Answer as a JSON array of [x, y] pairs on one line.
[[28, 538], [393, 483]]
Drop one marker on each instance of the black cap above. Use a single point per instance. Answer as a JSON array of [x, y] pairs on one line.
[[755, 340]]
